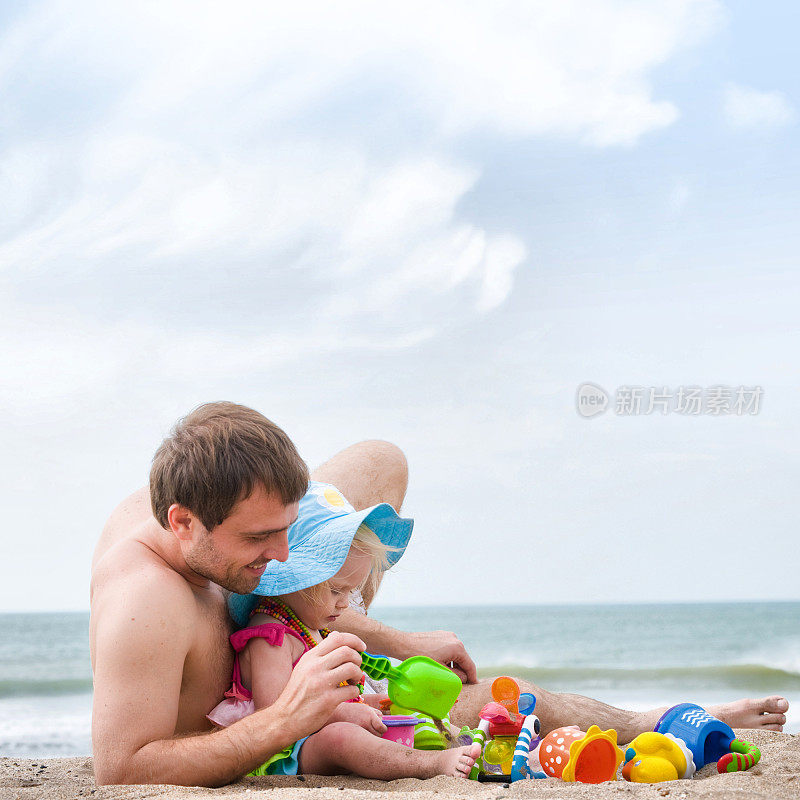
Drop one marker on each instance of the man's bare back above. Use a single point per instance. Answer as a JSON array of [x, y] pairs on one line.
[[124, 558]]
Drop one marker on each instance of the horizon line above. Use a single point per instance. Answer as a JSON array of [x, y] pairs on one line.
[[457, 606]]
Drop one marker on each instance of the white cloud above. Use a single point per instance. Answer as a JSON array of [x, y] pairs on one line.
[[745, 107], [501, 260], [679, 195], [253, 179], [204, 202]]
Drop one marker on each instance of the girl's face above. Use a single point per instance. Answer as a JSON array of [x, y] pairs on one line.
[[321, 609]]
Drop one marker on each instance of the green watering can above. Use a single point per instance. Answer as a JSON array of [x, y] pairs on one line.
[[419, 683]]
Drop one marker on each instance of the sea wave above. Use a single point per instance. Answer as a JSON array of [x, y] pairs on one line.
[[784, 655], [44, 727], [44, 688], [745, 677]]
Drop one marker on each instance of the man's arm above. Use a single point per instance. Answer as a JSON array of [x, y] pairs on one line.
[[442, 646], [142, 636]]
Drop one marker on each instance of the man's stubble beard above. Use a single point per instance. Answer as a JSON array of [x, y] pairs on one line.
[[205, 560]]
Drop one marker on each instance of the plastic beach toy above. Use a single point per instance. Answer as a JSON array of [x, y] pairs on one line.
[[505, 691], [572, 755], [505, 724], [419, 683], [743, 755], [500, 751], [399, 728], [528, 740], [708, 738], [506, 737], [653, 757]]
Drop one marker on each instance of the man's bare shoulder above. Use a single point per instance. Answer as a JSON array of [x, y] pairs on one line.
[[128, 552], [131, 519], [132, 562], [135, 595]]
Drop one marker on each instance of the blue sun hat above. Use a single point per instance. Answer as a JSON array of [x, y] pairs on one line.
[[319, 543]]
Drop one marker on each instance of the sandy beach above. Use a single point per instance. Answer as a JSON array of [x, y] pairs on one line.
[[777, 776]]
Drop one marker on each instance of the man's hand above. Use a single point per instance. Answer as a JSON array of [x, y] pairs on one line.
[[446, 648], [361, 714], [442, 646], [313, 692]]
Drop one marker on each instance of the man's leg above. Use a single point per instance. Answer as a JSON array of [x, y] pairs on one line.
[[367, 473], [555, 710]]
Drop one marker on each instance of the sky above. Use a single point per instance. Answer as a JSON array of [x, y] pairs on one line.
[[422, 222]]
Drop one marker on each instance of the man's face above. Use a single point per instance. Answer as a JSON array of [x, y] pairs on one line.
[[236, 552]]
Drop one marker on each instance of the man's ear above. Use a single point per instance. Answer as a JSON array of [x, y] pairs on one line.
[[181, 521]]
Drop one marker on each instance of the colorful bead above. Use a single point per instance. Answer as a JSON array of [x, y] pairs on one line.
[[283, 613], [278, 610]]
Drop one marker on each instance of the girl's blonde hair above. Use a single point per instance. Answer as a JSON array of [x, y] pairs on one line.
[[365, 541]]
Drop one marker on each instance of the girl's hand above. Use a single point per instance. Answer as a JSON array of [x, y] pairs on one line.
[[360, 714], [374, 700]]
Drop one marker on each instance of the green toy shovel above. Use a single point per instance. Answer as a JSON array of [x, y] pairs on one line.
[[419, 683]]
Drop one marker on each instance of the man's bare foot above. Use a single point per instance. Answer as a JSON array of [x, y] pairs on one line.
[[768, 713], [458, 761]]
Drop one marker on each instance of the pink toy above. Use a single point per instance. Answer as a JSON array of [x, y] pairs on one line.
[[400, 728]]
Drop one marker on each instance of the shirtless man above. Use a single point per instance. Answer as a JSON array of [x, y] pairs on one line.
[[225, 488]]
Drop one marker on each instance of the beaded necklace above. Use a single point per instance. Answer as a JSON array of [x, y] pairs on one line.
[[278, 610], [281, 612]]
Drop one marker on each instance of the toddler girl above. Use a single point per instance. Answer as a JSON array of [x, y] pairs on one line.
[[281, 629]]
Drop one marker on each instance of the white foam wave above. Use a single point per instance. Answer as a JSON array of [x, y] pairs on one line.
[[46, 727], [783, 655]]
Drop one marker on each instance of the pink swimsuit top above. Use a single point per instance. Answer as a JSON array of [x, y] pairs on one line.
[[273, 633]]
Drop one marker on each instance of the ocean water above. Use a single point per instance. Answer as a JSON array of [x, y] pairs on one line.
[[633, 656]]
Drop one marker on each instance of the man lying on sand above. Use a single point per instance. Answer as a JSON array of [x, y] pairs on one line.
[[224, 489]]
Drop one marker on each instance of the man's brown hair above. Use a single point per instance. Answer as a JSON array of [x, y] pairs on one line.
[[216, 456]]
